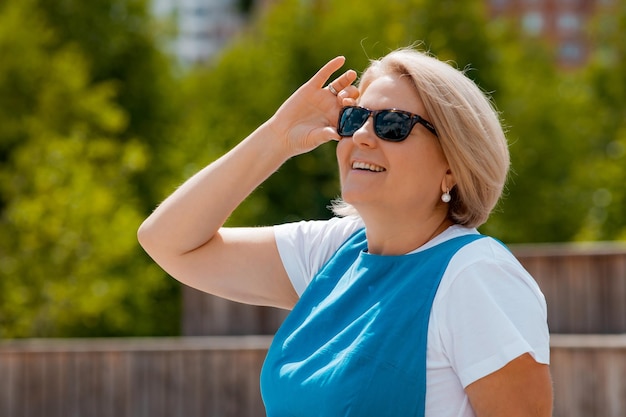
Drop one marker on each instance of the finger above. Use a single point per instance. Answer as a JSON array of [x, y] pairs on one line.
[[344, 80], [349, 92], [348, 102], [324, 73]]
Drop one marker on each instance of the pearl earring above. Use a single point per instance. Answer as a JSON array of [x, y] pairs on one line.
[[445, 197]]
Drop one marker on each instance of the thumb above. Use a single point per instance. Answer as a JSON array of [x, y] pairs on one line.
[[330, 133]]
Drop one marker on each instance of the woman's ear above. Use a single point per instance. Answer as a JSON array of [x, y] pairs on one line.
[[448, 181]]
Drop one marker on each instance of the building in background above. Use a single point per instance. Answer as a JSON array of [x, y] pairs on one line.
[[204, 26], [563, 23]]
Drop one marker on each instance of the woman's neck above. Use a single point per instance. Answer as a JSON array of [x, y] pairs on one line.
[[397, 236]]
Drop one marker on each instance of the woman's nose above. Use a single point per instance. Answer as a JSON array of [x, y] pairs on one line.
[[365, 136]]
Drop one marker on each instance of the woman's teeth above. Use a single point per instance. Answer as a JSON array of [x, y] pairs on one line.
[[367, 167]]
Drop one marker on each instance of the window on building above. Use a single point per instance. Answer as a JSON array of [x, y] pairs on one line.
[[571, 52], [500, 4], [568, 22], [533, 23]]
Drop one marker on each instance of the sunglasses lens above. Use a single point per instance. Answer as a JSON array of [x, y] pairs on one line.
[[351, 119], [393, 126]]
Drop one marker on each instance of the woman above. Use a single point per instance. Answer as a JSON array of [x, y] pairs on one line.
[[400, 307]]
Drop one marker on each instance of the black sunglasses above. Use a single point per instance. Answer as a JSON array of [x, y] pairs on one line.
[[391, 124]]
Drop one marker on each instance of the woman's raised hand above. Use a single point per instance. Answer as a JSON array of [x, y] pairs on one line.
[[308, 118]]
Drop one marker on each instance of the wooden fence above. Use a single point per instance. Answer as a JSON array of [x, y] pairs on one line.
[[218, 377], [589, 374], [584, 285], [206, 315], [164, 377]]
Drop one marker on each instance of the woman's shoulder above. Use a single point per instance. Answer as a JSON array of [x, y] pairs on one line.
[[487, 251], [335, 229], [476, 251], [307, 245], [485, 260]]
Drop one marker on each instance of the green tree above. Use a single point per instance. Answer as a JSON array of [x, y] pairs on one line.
[[567, 138], [117, 38], [604, 169], [540, 107], [70, 156]]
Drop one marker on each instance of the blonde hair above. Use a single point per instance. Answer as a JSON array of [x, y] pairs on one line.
[[467, 125]]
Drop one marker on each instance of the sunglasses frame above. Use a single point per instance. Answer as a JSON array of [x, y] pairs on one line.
[[413, 119]]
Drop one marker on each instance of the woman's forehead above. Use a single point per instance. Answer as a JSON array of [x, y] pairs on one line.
[[391, 91]]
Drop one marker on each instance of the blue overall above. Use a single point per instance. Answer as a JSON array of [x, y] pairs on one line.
[[355, 343]]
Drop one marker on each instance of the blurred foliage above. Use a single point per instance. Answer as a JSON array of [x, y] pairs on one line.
[[566, 138], [540, 106], [97, 126], [603, 169], [78, 120]]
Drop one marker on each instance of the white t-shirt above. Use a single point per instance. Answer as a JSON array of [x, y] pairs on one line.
[[487, 311]]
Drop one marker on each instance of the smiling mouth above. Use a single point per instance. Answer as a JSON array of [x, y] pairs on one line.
[[363, 166]]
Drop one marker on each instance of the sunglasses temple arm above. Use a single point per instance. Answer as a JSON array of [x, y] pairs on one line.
[[428, 126]]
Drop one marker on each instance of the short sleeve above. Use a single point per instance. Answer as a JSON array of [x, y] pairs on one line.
[[305, 246], [492, 312]]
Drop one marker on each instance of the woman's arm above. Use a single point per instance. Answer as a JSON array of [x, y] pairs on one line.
[[523, 388], [184, 235], [494, 330]]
